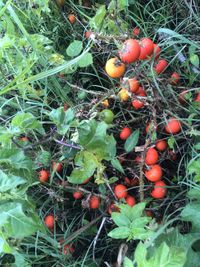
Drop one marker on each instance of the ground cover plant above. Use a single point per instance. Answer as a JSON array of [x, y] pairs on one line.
[[99, 134]]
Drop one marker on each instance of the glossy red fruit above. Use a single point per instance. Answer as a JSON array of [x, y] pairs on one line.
[[151, 156], [137, 104], [130, 200], [57, 166], [136, 31], [49, 221], [160, 66], [133, 85], [88, 34], [146, 48], [154, 174], [156, 51], [138, 159], [141, 92], [175, 78], [120, 191], [66, 249], [113, 208], [161, 145], [173, 126], [130, 51], [77, 194], [125, 133], [159, 190], [94, 202], [44, 176], [197, 99]]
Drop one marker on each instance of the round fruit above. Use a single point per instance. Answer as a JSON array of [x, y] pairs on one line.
[[161, 145], [141, 91], [113, 208], [123, 95], [146, 46], [105, 103], [44, 176], [49, 221], [72, 18], [24, 139], [149, 213], [88, 34], [107, 116], [77, 194], [173, 126], [197, 99], [159, 190], [154, 174], [130, 51], [160, 66], [156, 51], [138, 159], [133, 85], [94, 202], [66, 249], [175, 78], [151, 156], [120, 191], [136, 31], [115, 68], [57, 166], [125, 133], [130, 200], [137, 104]]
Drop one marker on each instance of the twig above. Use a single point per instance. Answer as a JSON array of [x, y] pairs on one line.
[[66, 144]]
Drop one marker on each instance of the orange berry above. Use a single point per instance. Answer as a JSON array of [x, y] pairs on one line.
[[49, 221], [161, 145], [120, 191], [94, 202], [159, 190], [154, 174], [125, 133], [130, 200], [133, 85], [44, 176], [173, 126], [72, 18], [151, 156]]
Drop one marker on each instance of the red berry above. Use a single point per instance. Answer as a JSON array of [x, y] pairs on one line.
[[156, 51], [130, 51], [49, 221], [151, 156], [57, 166], [175, 78], [141, 92], [113, 208], [94, 202], [125, 133], [136, 31], [130, 200], [160, 66], [44, 176], [146, 48], [154, 174], [137, 104], [161, 145], [159, 190], [197, 99], [120, 191], [133, 85], [173, 126], [77, 194]]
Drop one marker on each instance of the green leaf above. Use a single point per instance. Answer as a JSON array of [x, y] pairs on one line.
[[127, 262], [86, 164], [171, 141], [133, 212], [119, 233], [132, 141], [62, 119], [86, 60], [117, 165], [24, 122], [43, 158], [194, 59], [97, 21], [10, 182], [120, 219], [15, 158], [4, 246], [74, 49]]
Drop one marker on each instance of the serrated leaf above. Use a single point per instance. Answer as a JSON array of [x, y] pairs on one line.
[[86, 164], [119, 233], [74, 49], [132, 141], [86, 60], [117, 165]]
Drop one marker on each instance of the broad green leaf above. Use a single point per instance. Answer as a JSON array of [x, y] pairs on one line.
[[127, 262], [86, 60], [191, 213], [62, 119], [43, 158], [15, 158], [140, 255], [132, 141], [24, 122], [133, 212], [74, 49], [4, 246], [9, 182], [117, 165], [97, 21], [86, 164], [120, 219], [120, 233]]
